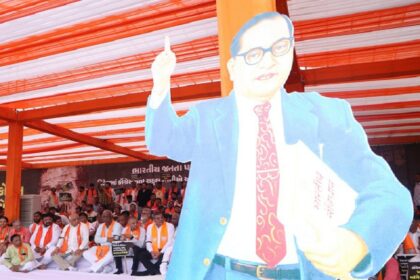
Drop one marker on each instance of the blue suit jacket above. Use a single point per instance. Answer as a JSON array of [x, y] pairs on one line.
[[207, 136]]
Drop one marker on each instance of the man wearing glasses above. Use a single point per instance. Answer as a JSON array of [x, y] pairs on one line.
[[232, 224]]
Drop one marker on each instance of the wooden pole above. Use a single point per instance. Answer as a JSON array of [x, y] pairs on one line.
[[231, 15], [14, 170]]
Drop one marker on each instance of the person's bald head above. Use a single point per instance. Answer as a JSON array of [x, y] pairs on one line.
[[74, 219], [107, 217]]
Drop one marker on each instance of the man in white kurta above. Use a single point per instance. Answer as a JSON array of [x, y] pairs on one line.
[[159, 237], [44, 240], [135, 233], [73, 242], [101, 256]]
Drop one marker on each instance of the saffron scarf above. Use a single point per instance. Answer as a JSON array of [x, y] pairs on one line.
[[47, 237], [22, 252], [65, 245], [135, 233], [163, 237], [102, 250]]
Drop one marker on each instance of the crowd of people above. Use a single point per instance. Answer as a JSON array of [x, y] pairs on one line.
[[144, 216]]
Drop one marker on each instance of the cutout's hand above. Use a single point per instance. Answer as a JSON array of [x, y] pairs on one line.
[[335, 251], [163, 66]]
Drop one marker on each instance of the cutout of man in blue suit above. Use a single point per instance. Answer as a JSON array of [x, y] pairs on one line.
[[217, 232]]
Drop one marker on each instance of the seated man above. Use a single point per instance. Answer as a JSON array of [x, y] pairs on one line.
[[122, 219], [18, 228], [159, 237], [145, 217], [101, 255], [44, 239], [19, 256], [132, 232], [4, 234], [168, 252], [73, 241], [83, 218], [37, 221]]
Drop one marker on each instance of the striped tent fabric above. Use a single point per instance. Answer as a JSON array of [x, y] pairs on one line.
[[77, 73]]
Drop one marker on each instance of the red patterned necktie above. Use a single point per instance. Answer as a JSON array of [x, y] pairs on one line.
[[270, 243]]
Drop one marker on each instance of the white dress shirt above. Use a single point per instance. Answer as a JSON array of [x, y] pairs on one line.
[[116, 231], [56, 230], [171, 231], [73, 241], [239, 240]]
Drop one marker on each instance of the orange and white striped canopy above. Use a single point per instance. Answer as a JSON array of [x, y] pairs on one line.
[[76, 73]]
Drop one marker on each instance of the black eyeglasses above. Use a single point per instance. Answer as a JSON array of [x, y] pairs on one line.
[[279, 48]]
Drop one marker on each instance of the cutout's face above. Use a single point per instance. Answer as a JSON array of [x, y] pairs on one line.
[[260, 81]]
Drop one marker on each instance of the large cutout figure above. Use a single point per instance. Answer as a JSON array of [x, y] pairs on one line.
[[233, 225]]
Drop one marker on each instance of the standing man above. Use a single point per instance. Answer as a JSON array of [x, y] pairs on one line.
[[159, 237], [73, 242], [81, 196], [91, 194], [235, 146], [44, 240], [143, 195], [101, 256], [53, 198], [19, 256]]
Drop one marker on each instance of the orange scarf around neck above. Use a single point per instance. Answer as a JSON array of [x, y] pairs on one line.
[[47, 237], [65, 245], [22, 252], [163, 237], [102, 250], [135, 233]]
